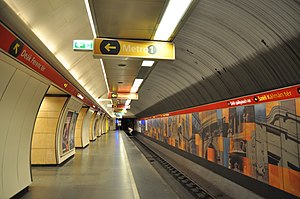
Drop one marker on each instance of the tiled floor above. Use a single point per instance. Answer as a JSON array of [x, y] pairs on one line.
[[110, 167]]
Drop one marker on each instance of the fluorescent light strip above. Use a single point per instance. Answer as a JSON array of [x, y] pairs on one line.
[[173, 14], [127, 102], [88, 9], [136, 85], [104, 73], [148, 63]]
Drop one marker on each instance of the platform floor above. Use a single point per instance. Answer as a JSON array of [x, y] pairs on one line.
[[110, 167]]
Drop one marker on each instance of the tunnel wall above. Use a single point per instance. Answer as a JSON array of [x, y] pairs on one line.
[[79, 125], [65, 136], [92, 125], [106, 125], [86, 128], [21, 93], [53, 138], [45, 131], [97, 125], [259, 140], [100, 132], [104, 129]]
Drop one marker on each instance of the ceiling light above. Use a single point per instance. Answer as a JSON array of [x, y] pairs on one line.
[[127, 102], [80, 96], [173, 14], [88, 9], [104, 73], [136, 85], [148, 63], [103, 100]]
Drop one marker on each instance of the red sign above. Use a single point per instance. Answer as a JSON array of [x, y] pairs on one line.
[[279, 94], [15, 47]]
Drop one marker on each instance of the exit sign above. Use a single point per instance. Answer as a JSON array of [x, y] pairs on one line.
[[83, 45]]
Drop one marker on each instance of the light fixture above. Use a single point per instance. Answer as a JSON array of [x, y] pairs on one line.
[[80, 96], [173, 14], [127, 102], [148, 63], [88, 9], [136, 85], [103, 100], [104, 73]]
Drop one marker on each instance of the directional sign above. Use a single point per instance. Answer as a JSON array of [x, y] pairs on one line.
[[133, 49], [119, 106], [132, 96], [83, 44], [110, 47], [114, 95], [15, 48]]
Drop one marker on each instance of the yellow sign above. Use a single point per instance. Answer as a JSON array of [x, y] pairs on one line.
[[132, 96], [135, 49]]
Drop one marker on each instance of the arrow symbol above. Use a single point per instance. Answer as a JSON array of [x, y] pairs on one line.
[[16, 48], [108, 47]]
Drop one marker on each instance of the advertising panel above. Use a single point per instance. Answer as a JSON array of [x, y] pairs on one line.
[[68, 132]]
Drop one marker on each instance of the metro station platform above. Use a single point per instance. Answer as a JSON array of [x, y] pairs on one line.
[[110, 167]]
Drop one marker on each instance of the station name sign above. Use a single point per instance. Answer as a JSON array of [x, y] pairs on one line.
[[133, 49]]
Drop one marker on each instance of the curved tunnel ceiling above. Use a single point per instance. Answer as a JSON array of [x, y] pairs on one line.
[[226, 49]]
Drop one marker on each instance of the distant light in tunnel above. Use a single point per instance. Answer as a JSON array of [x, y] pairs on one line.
[[127, 102], [172, 16], [136, 85], [80, 96], [148, 63]]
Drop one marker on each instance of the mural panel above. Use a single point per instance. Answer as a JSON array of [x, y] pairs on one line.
[[259, 140]]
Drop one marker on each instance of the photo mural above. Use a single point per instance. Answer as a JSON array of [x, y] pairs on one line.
[[260, 140], [68, 132]]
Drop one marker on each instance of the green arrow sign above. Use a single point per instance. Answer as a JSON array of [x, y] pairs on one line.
[[83, 45]]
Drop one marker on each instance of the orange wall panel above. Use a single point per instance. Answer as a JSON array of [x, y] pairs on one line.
[[211, 155], [275, 176], [291, 180]]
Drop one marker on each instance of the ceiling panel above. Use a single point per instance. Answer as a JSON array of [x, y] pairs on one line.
[[130, 19], [121, 73]]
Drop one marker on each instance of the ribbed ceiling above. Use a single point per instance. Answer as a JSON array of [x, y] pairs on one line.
[[226, 49]]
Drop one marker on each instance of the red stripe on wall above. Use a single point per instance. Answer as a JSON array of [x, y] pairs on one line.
[[274, 95], [17, 48]]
